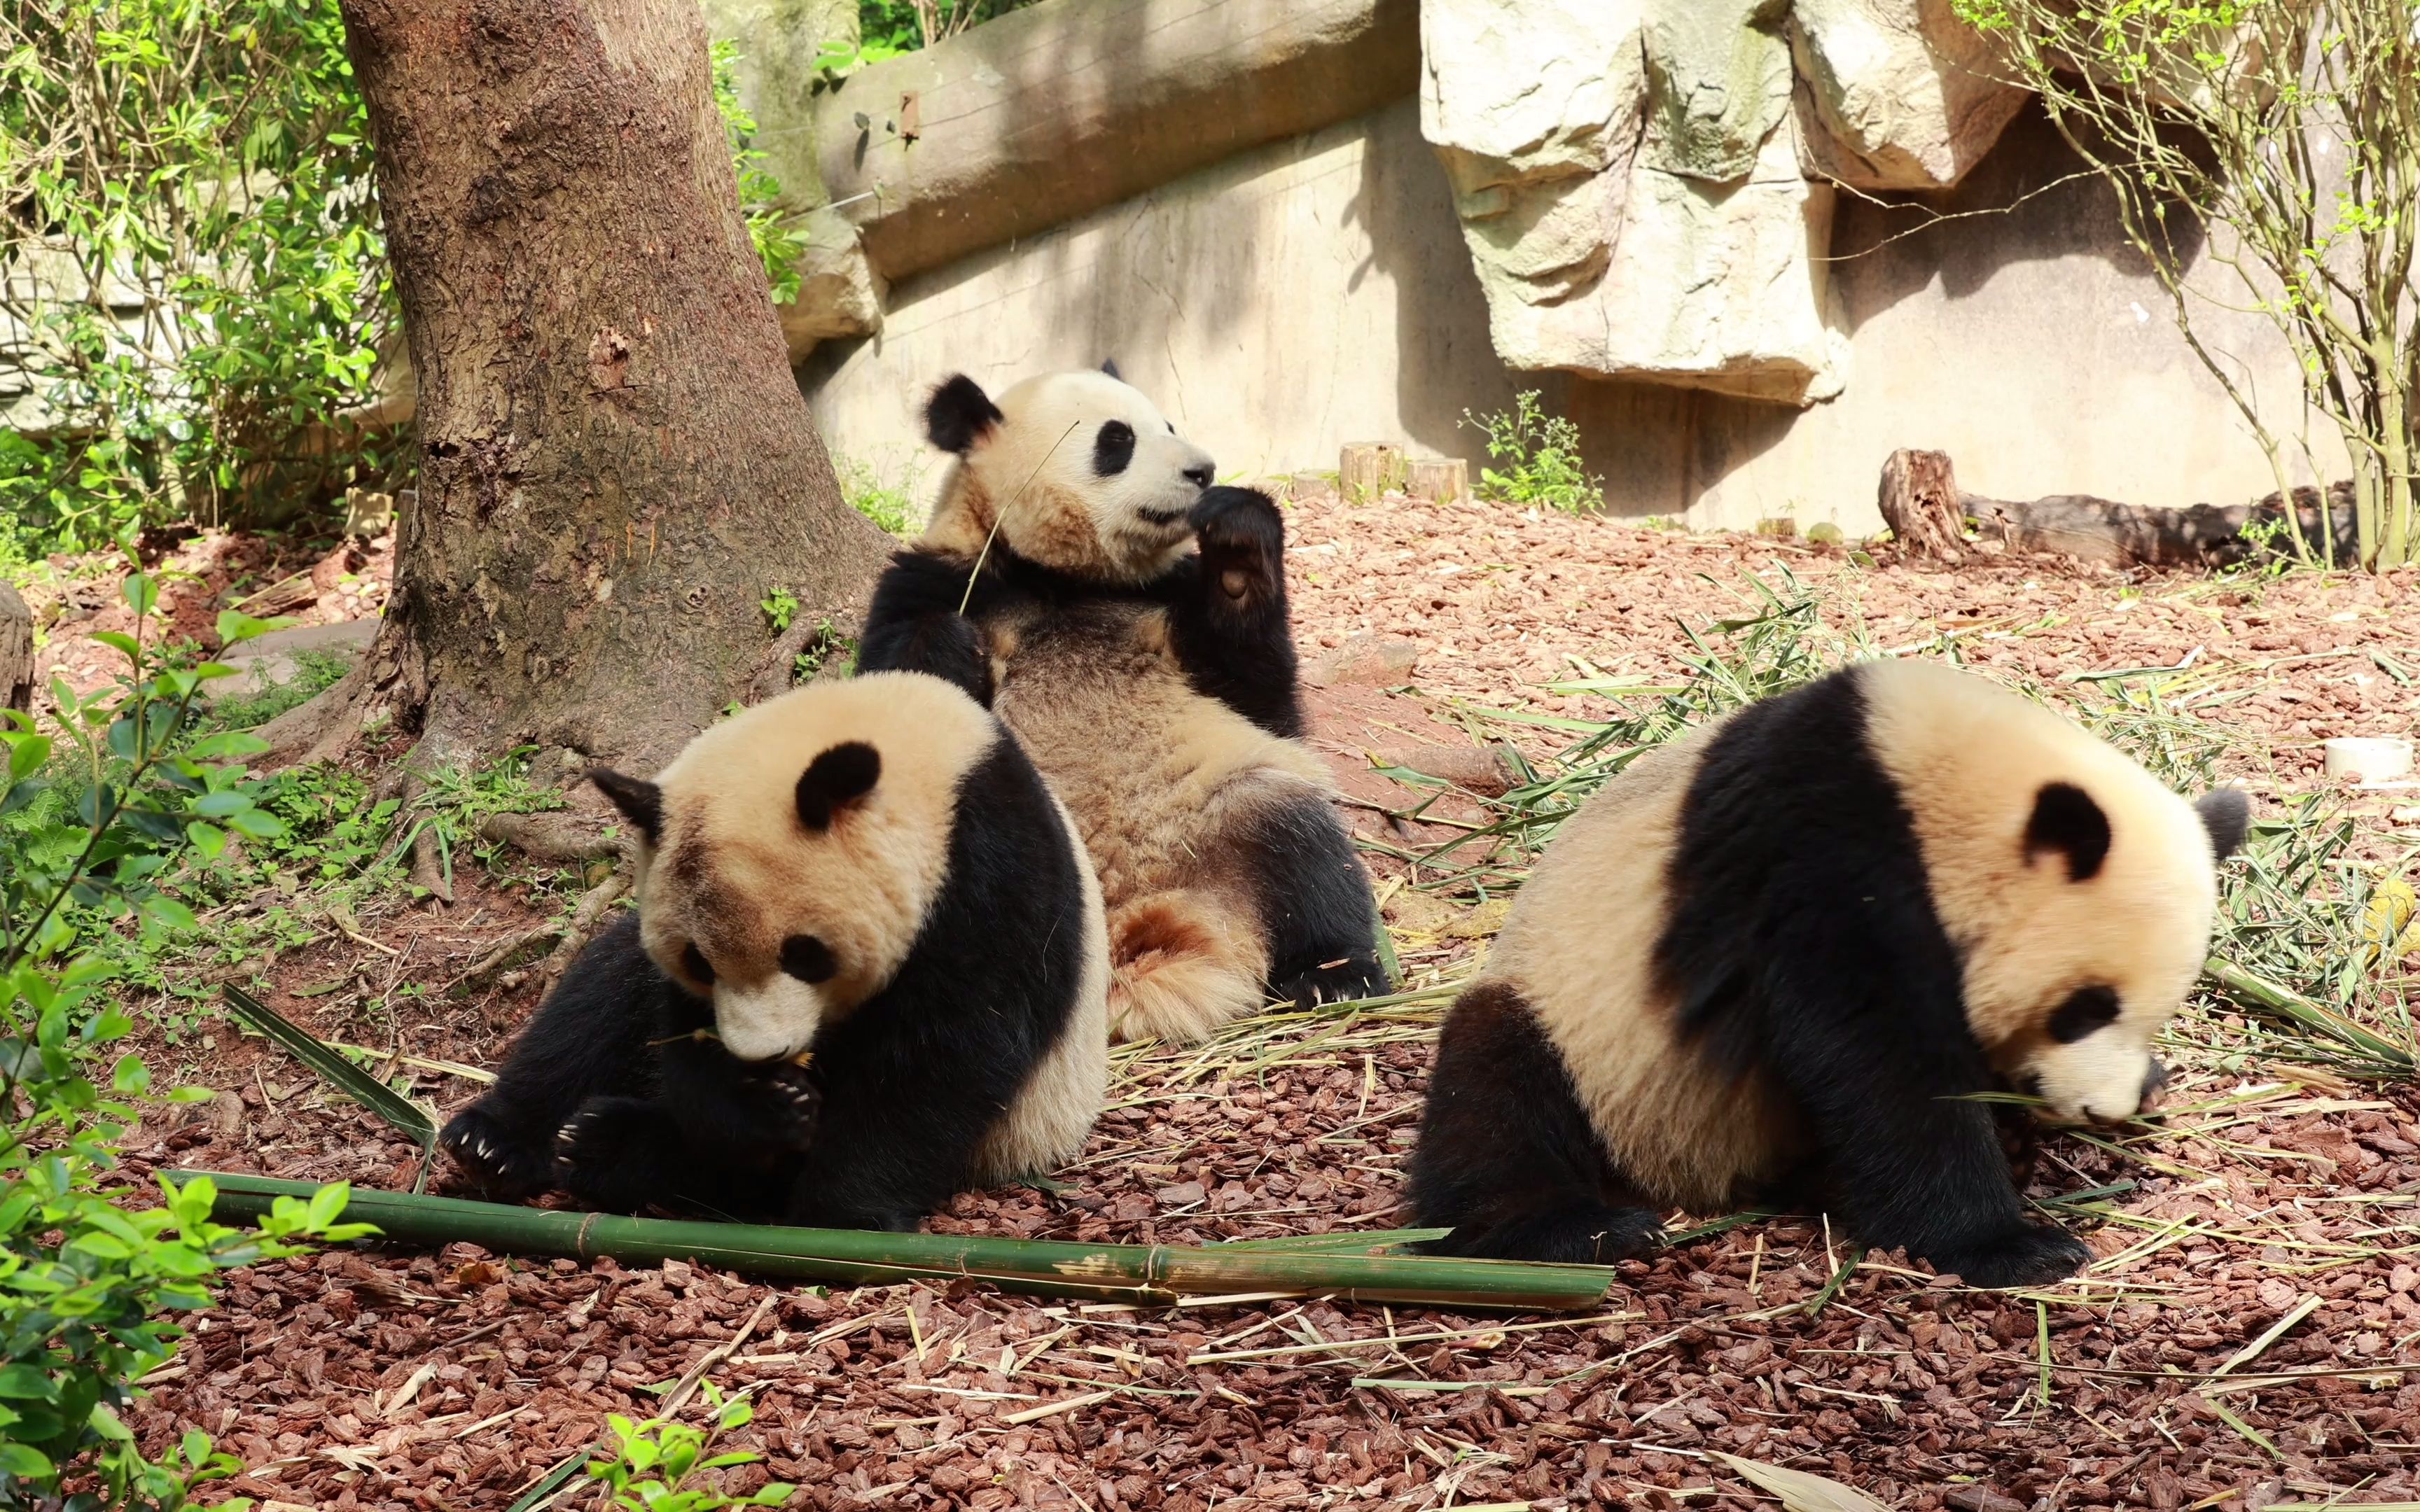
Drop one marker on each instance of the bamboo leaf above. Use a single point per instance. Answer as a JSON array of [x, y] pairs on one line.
[[1799, 1491], [568, 1467], [351, 1079]]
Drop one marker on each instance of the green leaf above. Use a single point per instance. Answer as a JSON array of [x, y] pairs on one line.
[[220, 805], [235, 628], [118, 641], [327, 1203], [225, 745], [25, 1462], [27, 754], [354, 1082], [107, 1246], [257, 825], [23, 1383], [142, 593]]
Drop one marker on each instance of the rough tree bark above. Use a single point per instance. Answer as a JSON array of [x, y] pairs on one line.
[[617, 464], [1920, 503]]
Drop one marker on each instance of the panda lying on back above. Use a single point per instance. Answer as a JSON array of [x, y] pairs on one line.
[[1774, 958], [867, 969], [1128, 622]]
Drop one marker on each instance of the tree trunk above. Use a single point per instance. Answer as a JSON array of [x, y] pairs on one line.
[[617, 464], [16, 651]]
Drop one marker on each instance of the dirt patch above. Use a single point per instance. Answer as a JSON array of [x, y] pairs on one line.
[[451, 1380]]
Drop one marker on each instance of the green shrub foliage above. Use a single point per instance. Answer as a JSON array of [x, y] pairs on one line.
[[97, 816]]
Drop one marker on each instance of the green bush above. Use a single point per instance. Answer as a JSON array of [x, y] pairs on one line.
[[191, 246], [94, 825], [207, 167], [1544, 454]]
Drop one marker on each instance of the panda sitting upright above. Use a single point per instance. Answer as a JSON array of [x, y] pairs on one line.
[[867, 969], [1778, 960], [1127, 620]]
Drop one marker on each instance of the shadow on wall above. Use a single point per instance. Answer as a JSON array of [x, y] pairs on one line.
[[1277, 306], [2029, 200], [1317, 291]]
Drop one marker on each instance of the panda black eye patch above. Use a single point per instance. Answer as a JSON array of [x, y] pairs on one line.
[[808, 959], [2086, 1010], [1113, 449], [694, 962]]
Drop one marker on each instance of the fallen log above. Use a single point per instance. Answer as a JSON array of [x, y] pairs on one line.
[[2139, 536], [1929, 516]]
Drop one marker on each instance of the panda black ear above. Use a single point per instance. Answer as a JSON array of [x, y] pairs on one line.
[[958, 415], [641, 801], [835, 780], [1110, 365], [2067, 820], [2226, 814]]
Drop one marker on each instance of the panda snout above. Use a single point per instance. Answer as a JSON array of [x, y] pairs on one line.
[[1200, 475]]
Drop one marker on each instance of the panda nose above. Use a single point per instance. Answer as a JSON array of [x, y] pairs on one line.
[[1200, 475]]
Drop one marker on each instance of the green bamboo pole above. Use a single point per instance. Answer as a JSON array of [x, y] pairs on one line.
[[1149, 1275]]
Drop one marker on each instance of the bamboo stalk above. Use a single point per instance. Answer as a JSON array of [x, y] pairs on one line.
[[1148, 1274]]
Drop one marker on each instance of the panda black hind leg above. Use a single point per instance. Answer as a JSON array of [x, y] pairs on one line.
[[589, 1039], [1507, 1159], [1314, 903]]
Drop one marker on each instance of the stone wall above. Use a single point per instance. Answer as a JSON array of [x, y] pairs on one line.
[[1282, 289]]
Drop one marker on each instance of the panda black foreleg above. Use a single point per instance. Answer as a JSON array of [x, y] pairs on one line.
[[914, 625], [1315, 903], [619, 1154], [726, 1104], [1879, 1065], [590, 1037], [1507, 1158], [1229, 624]]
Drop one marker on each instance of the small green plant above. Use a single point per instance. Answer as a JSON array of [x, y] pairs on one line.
[[93, 834], [777, 244], [824, 645], [654, 1461], [1545, 458], [779, 606], [315, 672], [890, 502]]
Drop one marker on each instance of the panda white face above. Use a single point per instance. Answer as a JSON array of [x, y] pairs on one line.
[[1078, 470], [2098, 1066], [788, 856]]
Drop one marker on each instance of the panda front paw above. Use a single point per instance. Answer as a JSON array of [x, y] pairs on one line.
[[1232, 519], [602, 1151], [2032, 1255], [791, 1104], [495, 1159]]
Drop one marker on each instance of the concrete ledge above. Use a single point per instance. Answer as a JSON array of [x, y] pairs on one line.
[[1051, 112]]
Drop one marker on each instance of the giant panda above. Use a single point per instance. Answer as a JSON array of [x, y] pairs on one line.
[[1774, 960], [867, 969], [1127, 620]]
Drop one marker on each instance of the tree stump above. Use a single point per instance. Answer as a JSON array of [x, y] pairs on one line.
[[1368, 469], [1920, 503], [1444, 480], [16, 651]]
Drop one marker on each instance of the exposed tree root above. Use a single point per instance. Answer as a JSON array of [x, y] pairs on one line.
[[551, 838]]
